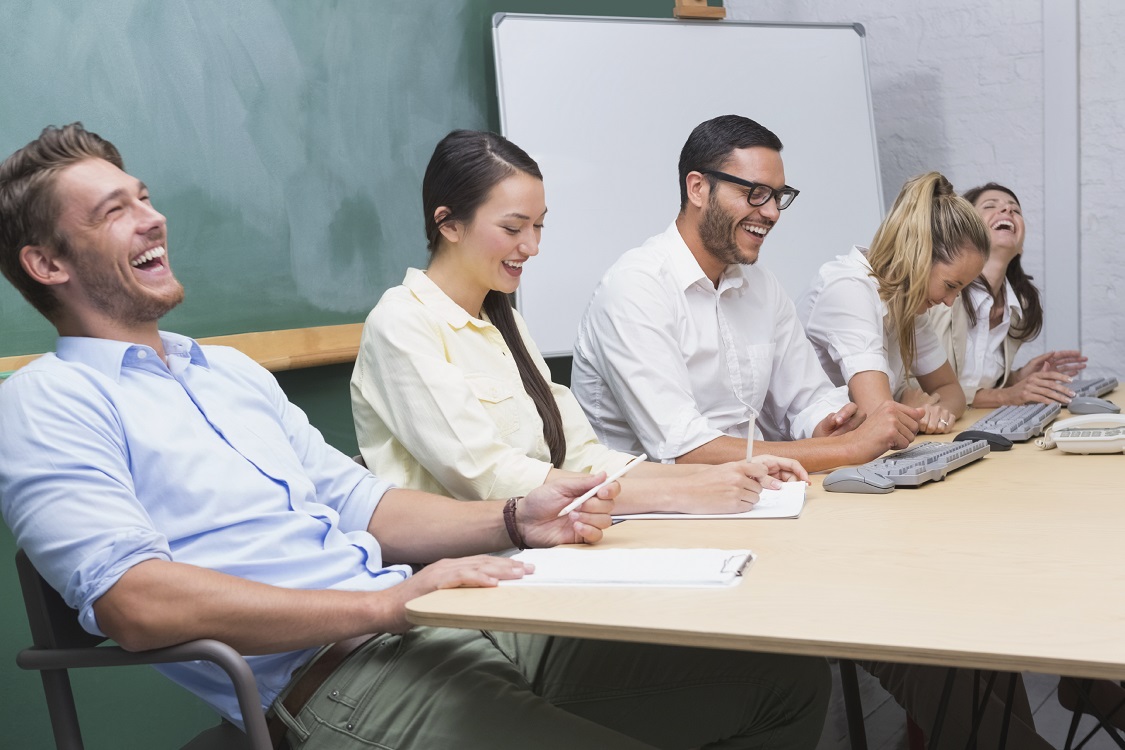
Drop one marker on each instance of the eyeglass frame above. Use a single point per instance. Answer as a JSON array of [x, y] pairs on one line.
[[775, 193]]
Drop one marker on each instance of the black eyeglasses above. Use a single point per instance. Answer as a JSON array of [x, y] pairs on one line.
[[759, 194]]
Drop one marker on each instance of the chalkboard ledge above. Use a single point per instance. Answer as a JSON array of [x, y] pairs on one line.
[[275, 350]]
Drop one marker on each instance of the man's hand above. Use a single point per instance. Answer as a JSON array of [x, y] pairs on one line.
[[478, 571], [890, 427], [782, 469], [537, 514], [538, 521], [840, 422]]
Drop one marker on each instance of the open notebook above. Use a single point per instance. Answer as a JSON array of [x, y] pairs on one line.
[[633, 567], [786, 502]]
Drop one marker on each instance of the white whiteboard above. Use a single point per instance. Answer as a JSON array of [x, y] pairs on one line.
[[605, 105]]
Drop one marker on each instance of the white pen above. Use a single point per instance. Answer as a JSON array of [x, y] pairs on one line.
[[753, 414], [577, 502]]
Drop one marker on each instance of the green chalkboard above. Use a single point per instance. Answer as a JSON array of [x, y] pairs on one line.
[[284, 140]]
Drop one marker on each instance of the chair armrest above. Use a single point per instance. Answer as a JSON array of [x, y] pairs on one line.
[[217, 652]]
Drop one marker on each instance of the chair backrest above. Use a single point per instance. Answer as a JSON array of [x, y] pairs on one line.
[[53, 623]]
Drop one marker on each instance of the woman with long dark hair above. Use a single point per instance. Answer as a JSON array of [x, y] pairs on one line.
[[449, 393], [998, 312]]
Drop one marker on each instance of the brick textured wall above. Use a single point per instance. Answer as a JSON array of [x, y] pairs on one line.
[[958, 87], [1102, 80]]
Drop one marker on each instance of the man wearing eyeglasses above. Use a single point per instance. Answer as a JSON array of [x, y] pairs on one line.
[[687, 344]]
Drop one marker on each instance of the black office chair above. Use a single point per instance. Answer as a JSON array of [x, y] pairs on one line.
[[1086, 706], [62, 644]]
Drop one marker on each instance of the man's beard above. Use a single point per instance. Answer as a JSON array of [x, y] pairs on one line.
[[124, 304], [716, 231]]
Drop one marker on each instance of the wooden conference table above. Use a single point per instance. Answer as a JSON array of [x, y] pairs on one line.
[[1015, 562]]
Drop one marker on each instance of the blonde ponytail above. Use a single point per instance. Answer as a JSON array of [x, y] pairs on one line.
[[929, 223]]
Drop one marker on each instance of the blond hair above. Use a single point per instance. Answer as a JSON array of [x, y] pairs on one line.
[[929, 223]]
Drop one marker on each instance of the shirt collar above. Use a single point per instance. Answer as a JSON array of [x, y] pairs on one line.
[[430, 294], [686, 269], [981, 298], [109, 357]]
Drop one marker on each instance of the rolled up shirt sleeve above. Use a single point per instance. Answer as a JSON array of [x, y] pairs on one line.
[[800, 394], [846, 322], [66, 489]]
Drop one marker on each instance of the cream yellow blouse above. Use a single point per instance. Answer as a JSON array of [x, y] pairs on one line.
[[439, 405]]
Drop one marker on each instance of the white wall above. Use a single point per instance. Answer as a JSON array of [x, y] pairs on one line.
[[959, 87], [1102, 75]]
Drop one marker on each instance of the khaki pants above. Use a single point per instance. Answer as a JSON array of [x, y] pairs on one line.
[[443, 688]]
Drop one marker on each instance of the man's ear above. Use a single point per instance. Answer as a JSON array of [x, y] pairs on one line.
[[450, 230], [697, 188], [41, 263]]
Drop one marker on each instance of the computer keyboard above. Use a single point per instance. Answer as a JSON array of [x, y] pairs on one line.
[[1018, 423], [1025, 421], [1092, 386], [918, 464]]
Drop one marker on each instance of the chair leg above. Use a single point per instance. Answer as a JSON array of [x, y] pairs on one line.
[[853, 705], [60, 707], [915, 740], [1086, 705]]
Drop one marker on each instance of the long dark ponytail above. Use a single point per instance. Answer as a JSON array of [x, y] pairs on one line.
[[464, 168], [1026, 292]]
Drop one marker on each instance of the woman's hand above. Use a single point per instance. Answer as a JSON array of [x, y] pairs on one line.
[[735, 487], [1042, 387], [936, 419], [732, 487], [1065, 361]]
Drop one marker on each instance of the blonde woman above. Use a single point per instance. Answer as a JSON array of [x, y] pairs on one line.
[[863, 311], [864, 315]]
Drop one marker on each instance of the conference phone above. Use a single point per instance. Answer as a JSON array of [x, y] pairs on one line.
[[1089, 433]]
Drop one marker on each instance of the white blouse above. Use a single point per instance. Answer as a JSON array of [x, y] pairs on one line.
[[847, 322]]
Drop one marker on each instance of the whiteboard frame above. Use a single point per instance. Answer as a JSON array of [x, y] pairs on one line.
[[597, 212]]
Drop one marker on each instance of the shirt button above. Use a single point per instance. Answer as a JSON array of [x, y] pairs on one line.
[[141, 354]]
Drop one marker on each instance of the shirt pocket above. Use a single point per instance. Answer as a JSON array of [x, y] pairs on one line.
[[499, 401], [759, 360]]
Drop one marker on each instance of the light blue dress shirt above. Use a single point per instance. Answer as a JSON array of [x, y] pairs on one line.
[[109, 458]]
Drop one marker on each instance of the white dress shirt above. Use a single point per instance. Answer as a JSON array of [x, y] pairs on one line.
[[847, 322], [665, 362], [439, 404], [984, 346]]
